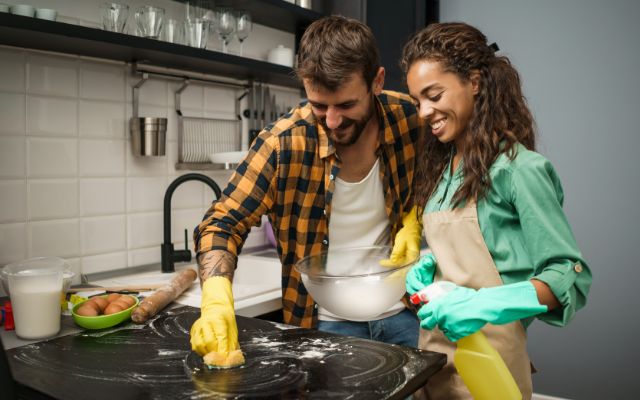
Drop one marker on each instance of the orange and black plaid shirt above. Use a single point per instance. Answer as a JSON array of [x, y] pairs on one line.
[[289, 175]]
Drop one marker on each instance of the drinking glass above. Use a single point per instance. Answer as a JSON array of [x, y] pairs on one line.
[[196, 32], [243, 27], [149, 20], [225, 26], [172, 31], [114, 16], [196, 9]]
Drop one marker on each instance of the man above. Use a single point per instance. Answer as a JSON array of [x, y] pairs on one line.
[[336, 169]]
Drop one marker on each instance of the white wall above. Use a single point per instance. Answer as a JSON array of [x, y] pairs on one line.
[[579, 60], [69, 183]]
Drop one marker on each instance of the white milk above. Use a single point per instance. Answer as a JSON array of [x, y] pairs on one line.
[[36, 309]]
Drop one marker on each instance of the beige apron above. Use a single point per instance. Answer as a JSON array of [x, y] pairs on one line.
[[463, 258]]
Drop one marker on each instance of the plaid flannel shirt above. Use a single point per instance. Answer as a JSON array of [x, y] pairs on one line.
[[288, 174]]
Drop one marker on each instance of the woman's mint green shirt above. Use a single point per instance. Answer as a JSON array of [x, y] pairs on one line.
[[525, 228]]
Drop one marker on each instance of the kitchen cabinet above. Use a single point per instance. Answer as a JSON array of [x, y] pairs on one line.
[[33, 33], [392, 26], [155, 361]]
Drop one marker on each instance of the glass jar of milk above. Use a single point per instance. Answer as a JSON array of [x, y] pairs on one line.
[[35, 287]]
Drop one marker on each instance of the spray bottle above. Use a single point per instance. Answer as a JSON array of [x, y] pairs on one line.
[[479, 364]]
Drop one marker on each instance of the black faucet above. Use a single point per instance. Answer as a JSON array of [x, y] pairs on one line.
[[170, 256]]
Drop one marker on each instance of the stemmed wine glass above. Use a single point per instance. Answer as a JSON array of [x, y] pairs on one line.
[[225, 26], [243, 27]]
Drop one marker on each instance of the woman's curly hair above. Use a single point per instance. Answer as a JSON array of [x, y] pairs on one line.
[[500, 110]]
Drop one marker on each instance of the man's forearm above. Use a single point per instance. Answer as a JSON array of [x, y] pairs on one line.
[[216, 263]]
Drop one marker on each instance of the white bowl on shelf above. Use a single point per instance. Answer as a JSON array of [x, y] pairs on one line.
[[227, 158]]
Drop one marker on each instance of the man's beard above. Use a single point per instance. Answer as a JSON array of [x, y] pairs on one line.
[[348, 139]]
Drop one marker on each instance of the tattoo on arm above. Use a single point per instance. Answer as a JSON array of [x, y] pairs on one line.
[[216, 263]]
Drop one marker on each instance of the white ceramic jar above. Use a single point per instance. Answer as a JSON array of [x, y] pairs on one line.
[[281, 55]]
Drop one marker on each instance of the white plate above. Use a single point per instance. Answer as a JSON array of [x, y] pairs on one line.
[[228, 157]]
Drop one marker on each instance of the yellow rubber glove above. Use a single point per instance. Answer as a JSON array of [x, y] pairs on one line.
[[216, 329], [406, 247]]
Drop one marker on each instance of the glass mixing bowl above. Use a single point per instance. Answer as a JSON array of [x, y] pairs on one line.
[[350, 282]]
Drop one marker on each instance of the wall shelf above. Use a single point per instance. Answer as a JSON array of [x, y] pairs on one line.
[[277, 14], [32, 33]]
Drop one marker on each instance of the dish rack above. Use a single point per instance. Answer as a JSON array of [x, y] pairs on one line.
[[199, 137]]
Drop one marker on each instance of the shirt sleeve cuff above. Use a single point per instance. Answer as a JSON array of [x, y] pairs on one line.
[[561, 279]]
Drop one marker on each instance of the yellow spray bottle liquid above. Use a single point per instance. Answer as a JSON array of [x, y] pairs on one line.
[[478, 363]]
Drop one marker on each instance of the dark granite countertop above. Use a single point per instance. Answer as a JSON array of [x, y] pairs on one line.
[[154, 361]]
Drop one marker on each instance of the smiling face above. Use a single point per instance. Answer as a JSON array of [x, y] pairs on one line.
[[445, 101], [344, 112]]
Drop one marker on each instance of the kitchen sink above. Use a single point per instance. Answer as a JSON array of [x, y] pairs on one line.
[[256, 284], [266, 253]]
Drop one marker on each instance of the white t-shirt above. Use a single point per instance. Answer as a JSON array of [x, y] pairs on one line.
[[358, 218]]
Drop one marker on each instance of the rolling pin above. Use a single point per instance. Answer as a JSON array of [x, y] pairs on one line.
[[164, 295]]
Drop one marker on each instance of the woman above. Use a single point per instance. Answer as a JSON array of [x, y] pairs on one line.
[[492, 206]]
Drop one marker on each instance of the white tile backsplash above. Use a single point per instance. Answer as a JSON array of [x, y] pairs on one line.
[[144, 256], [102, 157], [103, 234], [144, 230], [191, 97], [13, 157], [102, 81], [54, 238], [152, 92], [184, 219], [52, 116], [101, 119], [13, 197], [188, 194], [52, 157], [102, 196], [70, 185], [220, 102], [12, 113], [104, 262], [145, 194], [53, 198], [145, 166], [52, 75], [12, 70], [13, 242]]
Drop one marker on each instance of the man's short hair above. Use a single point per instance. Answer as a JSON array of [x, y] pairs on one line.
[[333, 48]]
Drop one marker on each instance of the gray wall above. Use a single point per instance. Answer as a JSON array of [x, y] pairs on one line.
[[580, 60]]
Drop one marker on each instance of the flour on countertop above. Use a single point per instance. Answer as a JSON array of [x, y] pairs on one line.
[[312, 354]]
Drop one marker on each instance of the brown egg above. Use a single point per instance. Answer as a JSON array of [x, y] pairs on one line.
[[128, 300], [101, 302], [113, 297], [88, 309], [114, 308], [121, 303]]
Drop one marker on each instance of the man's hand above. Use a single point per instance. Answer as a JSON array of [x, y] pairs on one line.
[[216, 330], [406, 247], [215, 333]]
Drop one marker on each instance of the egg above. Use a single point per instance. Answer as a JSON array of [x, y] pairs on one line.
[[113, 297], [101, 302], [114, 308], [128, 300], [121, 303], [88, 309]]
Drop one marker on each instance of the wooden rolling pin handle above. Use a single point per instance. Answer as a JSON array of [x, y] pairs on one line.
[[159, 299]]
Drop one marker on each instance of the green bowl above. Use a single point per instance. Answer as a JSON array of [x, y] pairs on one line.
[[103, 321]]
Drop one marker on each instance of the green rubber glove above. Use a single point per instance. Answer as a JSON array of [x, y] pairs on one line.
[[465, 311], [406, 246], [421, 274], [216, 329]]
